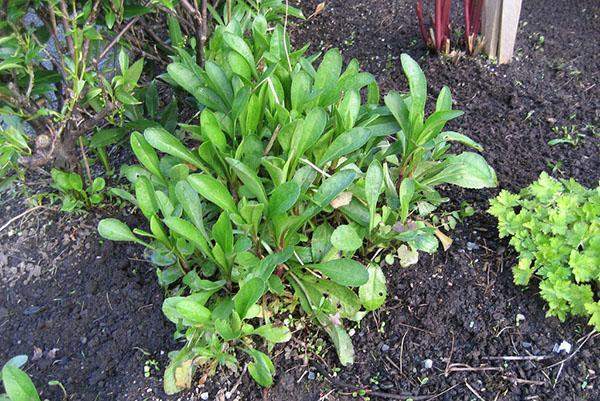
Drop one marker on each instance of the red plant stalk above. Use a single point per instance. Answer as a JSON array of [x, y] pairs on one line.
[[422, 29], [441, 24], [472, 21]]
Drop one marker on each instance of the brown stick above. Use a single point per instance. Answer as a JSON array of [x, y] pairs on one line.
[[113, 43]]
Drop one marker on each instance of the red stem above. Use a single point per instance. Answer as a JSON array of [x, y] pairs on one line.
[[421, 20]]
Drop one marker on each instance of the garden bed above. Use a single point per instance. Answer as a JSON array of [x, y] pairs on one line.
[[92, 307]]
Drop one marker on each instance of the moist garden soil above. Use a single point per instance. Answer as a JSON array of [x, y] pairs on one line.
[[87, 311]]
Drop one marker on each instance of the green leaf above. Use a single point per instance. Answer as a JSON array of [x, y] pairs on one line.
[[262, 369], [145, 196], [406, 193], [212, 131], [274, 334], [327, 76], [18, 385], [186, 78], [467, 170], [164, 141], [418, 89], [249, 178], [332, 187], [321, 241], [115, 230], [213, 190], [372, 294], [346, 239], [239, 46], [146, 154], [283, 198], [219, 81], [342, 342], [346, 143], [223, 233], [188, 231], [250, 292], [373, 188], [193, 311], [452, 136], [343, 271], [190, 201]]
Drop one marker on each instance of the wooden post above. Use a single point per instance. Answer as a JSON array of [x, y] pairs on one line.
[[500, 25]]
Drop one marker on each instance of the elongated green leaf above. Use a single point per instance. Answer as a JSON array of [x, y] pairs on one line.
[[332, 187], [238, 45], [213, 190], [145, 196], [343, 271], [166, 142], [346, 239], [467, 170], [406, 193], [274, 334], [249, 178], [435, 123], [18, 385], [185, 78], [283, 198], [444, 100], [397, 106], [146, 154], [418, 89], [346, 143], [300, 90], [190, 201], [460, 138], [223, 232], [192, 311], [327, 76], [250, 292], [373, 188], [342, 342], [219, 81], [372, 294], [212, 131], [116, 230], [262, 369], [188, 231]]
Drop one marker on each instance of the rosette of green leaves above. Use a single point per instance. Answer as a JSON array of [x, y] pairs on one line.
[[555, 227], [241, 206], [395, 198], [72, 192]]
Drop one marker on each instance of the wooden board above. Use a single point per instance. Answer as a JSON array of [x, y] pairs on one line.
[[509, 24]]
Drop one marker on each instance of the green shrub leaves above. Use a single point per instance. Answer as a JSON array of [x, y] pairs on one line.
[[555, 227]]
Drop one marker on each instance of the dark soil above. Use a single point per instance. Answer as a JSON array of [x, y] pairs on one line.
[[90, 311]]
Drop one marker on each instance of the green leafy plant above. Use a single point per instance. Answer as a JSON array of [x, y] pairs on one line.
[[555, 227], [13, 145], [17, 385], [233, 218], [265, 205], [396, 199], [58, 73], [72, 192]]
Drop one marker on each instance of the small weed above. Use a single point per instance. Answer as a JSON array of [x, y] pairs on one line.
[[568, 134]]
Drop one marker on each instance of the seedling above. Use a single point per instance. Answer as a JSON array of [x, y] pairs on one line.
[[569, 134]]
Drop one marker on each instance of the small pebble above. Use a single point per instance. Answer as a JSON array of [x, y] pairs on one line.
[[427, 363], [311, 376], [204, 396], [385, 348], [471, 246], [525, 344]]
